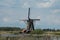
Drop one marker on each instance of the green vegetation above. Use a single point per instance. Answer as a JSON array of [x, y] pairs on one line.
[[17, 30], [56, 33], [9, 28], [37, 31]]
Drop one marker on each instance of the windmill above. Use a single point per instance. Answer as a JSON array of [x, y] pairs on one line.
[[30, 23]]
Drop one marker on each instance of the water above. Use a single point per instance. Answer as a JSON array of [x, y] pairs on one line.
[[28, 37]]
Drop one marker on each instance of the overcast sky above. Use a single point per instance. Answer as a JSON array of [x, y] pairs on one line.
[[48, 11]]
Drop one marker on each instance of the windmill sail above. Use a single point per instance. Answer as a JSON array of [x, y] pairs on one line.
[[29, 13]]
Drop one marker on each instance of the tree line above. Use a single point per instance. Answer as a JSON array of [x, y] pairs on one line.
[[17, 29], [9, 28]]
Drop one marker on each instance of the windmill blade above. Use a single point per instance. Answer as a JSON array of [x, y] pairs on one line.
[[23, 20], [29, 13], [35, 19]]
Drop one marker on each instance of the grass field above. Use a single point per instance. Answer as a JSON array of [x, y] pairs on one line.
[[17, 32]]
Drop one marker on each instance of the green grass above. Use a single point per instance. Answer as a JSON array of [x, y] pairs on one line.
[[37, 32]]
